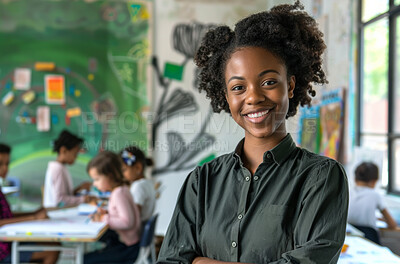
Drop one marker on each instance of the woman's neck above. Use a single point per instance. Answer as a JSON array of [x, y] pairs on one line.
[[254, 149]]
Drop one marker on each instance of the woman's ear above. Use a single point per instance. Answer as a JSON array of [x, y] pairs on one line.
[[292, 85]]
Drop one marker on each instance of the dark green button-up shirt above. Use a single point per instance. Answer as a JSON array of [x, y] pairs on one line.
[[292, 210]]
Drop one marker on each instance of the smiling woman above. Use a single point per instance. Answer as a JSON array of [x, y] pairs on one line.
[[268, 201]]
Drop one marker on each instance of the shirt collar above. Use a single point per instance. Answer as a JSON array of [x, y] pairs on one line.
[[278, 154]]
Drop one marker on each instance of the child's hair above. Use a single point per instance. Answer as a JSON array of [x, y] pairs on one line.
[[66, 139], [5, 148], [132, 154], [108, 164], [286, 31], [367, 172]]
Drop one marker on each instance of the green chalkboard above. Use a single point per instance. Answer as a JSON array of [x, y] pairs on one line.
[[102, 49]]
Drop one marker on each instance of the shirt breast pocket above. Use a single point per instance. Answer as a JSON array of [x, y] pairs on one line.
[[270, 232]]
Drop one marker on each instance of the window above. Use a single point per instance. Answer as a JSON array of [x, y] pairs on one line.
[[379, 80]]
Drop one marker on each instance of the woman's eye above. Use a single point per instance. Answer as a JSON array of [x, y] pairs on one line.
[[269, 83], [237, 88]]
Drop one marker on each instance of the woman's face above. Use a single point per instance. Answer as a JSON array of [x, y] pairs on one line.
[[258, 92]]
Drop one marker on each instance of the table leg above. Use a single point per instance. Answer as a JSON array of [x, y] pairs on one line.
[[14, 252], [79, 253]]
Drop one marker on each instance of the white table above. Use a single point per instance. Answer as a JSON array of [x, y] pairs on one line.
[[64, 225], [363, 251], [9, 189]]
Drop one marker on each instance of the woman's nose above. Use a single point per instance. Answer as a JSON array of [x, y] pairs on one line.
[[254, 95]]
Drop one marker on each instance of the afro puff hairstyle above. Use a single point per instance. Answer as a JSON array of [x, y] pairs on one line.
[[286, 31]]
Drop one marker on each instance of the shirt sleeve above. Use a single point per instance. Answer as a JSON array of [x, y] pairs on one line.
[[60, 189], [179, 244], [138, 193], [381, 203], [321, 227], [123, 216]]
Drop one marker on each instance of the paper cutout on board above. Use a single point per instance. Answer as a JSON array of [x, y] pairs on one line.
[[67, 120], [43, 118], [54, 119], [93, 65], [25, 120], [45, 66], [28, 97], [71, 89], [173, 71], [72, 112], [54, 89], [22, 78], [8, 98]]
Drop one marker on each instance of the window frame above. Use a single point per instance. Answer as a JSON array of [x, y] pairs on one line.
[[391, 136]]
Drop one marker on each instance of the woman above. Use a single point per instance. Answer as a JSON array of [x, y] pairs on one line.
[[268, 201]]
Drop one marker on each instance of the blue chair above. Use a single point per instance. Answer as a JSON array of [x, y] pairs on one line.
[[369, 233], [147, 249]]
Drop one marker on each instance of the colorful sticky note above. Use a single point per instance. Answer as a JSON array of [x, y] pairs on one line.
[[22, 78], [54, 89], [173, 71]]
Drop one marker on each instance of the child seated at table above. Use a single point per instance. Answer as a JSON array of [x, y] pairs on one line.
[[364, 201], [7, 217], [58, 186], [142, 189], [122, 214]]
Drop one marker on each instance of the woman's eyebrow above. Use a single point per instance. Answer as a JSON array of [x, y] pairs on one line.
[[267, 71]]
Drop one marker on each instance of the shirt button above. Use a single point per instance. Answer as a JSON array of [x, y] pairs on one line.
[[268, 156], [255, 178], [234, 244], [240, 216], [247, 178]]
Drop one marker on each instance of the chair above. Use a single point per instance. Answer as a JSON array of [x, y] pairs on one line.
[[147, 249], [369, 233]]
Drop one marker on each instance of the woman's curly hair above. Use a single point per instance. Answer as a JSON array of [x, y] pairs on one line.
[[286, 31]]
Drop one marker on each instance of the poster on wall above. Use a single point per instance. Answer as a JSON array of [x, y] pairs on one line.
[[54, 89], [22, 78], [331, 113], [309, 128]]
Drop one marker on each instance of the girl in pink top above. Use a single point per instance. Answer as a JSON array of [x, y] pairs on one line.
[[122, 215]]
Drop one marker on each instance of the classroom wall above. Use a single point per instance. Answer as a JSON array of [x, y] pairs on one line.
[[189, 134], [101, 49]]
